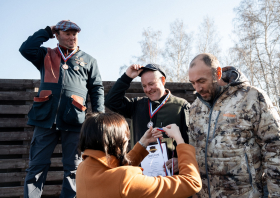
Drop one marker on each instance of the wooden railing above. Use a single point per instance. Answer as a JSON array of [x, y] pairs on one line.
[[16, 98]]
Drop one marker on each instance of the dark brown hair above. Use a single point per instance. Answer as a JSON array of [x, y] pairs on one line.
[[209, 60], [107, 132]]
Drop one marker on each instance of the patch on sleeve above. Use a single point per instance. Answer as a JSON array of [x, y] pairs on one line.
[[229, 115]]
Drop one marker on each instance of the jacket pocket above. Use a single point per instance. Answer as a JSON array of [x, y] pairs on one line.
[[41, 108], [75, 110]]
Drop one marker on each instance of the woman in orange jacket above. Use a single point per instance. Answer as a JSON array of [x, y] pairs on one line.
[[107, 171]]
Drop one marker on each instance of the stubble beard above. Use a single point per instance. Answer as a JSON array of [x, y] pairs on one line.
[[214, 91]]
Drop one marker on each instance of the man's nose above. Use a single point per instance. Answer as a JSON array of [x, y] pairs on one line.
[[148, 89], [197, 87]]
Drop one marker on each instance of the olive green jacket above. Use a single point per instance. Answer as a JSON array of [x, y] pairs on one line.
[[175, 110]]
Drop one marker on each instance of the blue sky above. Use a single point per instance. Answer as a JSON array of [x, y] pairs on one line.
[[111, 30]]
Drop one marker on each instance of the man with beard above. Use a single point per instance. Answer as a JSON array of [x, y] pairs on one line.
[[160, 108], [235, 130]]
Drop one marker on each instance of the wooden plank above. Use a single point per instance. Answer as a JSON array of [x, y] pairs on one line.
[[23, 163], [181, 95], [16, 136], [20, 176], [17, 95], [49, 190], [19, 83], [31, 83], [137, 87], [179, 86], [13, 122], [134, 88], [22, 149], [190, 97], [14, 109]]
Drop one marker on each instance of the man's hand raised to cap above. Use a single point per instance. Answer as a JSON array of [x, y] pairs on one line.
[[133, 70], [53, 30]]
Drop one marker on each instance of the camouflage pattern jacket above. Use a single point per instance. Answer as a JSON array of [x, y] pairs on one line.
[[237, 143]]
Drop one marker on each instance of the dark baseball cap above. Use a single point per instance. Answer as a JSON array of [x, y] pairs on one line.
[[65, 25], [152, 67]]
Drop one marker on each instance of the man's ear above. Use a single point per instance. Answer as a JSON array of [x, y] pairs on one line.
[[56, 35], [163, 80], [219, 73]]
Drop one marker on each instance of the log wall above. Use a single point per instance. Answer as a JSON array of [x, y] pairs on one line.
[[16, 98]]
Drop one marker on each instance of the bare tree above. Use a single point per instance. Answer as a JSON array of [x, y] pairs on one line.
[[258, 44], [208, 39], [243, 56], [151, 51], [177, 52]]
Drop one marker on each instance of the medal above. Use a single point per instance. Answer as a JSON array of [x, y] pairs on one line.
[[152, 113], [80, 61], [76, 68], [150, 124], [66, 58], [65, 66]]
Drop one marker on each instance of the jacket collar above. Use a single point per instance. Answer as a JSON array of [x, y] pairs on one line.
[[162, 98], [110, 162], [224, 92], [231, 90]]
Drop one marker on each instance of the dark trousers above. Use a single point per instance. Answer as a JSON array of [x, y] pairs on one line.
[[42, 146]]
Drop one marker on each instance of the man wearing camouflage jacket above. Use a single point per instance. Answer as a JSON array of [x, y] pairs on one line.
[[235, 130]]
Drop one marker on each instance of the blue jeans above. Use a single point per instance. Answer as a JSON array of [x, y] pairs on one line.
[[42, 146]]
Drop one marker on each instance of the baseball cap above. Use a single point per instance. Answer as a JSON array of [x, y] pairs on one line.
[[65, 25], [153, 67]]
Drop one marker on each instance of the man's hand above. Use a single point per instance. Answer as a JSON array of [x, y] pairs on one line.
[[169, 165], [150, 136], [173, 131], [53, 30], [133, 71]]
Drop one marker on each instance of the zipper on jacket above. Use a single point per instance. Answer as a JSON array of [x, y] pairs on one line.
[[248, 169], [206, 147], [206, 166], [62, 85]]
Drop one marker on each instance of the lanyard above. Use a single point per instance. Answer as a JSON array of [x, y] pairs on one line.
[[151, 112], [165, 168], [69, 56]]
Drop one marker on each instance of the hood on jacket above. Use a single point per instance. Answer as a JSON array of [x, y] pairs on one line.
[[233, 76]]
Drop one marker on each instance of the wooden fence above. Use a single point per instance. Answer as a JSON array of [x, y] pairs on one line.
[[16, 98]]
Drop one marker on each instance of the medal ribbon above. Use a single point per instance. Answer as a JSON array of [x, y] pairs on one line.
[[152, 113], [69, 56], [165, 168]]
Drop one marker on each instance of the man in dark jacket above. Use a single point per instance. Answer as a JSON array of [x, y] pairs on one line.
[[68, 75], [158, 109]]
